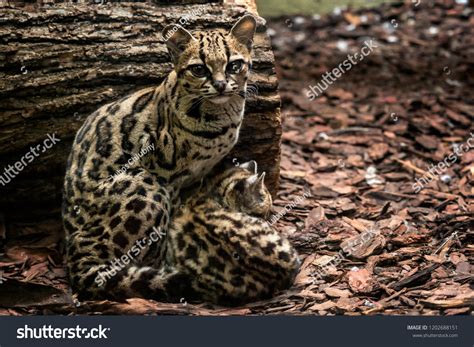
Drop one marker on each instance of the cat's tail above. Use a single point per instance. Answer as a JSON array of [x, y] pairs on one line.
[[164, 284]]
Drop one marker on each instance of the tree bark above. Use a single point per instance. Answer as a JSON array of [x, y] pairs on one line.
[[59, 63]]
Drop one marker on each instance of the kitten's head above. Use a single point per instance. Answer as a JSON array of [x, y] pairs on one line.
[[212, 64], [243, 190]]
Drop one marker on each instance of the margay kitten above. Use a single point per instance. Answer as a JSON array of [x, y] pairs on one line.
[[231, 256], [192, 119]]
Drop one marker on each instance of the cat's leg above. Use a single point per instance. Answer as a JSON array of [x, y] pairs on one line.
[[126, 223]]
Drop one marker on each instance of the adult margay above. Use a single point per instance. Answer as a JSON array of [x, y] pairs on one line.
[[192, 120]]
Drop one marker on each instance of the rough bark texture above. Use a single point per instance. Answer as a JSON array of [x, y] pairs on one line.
[[59, 63]]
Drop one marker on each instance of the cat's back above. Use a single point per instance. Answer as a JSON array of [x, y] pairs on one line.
[[111, 135]]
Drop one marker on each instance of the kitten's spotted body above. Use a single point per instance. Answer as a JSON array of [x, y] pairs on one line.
[[231, 254]]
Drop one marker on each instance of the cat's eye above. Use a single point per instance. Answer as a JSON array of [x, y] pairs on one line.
[[198, 70], [235, 66]]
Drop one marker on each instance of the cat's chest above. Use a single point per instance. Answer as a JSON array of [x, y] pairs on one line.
[[206, 160], [201, 155]]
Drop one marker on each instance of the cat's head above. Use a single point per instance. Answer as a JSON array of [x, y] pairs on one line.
[[212, 64], [243, 189]]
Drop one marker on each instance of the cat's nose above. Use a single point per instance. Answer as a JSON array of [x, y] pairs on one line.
[[219, 85]]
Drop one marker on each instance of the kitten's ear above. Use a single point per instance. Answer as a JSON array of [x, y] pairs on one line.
[[250, 166], [252, 180], [260, 184], [244, 30], [257, 182], [176, 38]]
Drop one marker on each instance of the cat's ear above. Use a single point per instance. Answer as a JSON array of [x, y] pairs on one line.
[[252, 180], [257, 182], [260, 184], [250, 166], [176, 38], [244, 30]]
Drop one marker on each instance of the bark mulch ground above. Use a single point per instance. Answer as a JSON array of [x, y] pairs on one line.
[[377, 177]]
